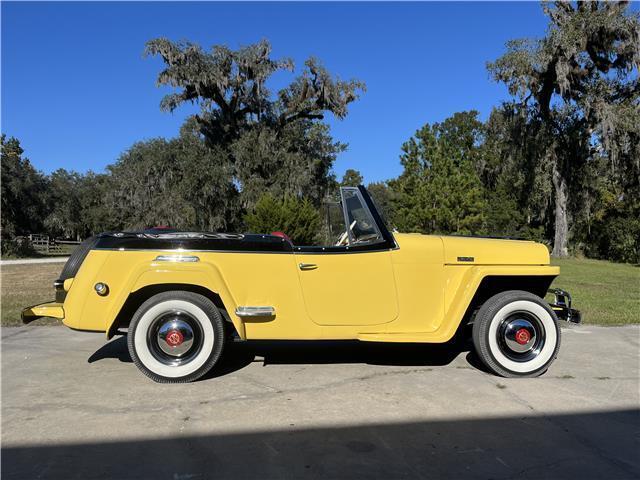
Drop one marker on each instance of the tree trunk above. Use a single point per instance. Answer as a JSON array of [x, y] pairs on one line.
[[561, 236]]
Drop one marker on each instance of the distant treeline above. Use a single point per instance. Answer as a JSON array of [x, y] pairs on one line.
[[558, 163]]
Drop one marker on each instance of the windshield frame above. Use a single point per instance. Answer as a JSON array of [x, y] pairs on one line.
[[386, 243]]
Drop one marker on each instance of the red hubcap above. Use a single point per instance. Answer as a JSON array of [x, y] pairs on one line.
[[523, 336], [174, 338]]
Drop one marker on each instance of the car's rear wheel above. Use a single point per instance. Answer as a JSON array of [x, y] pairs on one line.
[[176, 336], [516, 334]]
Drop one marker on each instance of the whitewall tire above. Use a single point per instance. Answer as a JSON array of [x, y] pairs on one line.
[[516, 334], [176, 336]]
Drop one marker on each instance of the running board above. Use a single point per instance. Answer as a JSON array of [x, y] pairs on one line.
[[403, 337], [255, 311]]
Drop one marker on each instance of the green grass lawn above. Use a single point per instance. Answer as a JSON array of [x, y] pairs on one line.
[[606, 293], [64, 251], [26, 285]]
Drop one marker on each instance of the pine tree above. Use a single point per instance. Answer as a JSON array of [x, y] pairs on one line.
[[439, 190]]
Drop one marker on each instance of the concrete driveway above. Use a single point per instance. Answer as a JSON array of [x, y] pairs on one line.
[[74, 407]]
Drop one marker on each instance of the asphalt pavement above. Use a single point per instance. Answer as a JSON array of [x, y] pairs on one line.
[[75, 407]]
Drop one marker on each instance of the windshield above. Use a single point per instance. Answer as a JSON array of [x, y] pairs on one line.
[[360, 227]]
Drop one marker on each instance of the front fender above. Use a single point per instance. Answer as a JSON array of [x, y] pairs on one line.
[[462, 284]]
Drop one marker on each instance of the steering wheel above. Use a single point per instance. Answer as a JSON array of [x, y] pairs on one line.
[[344, 238]]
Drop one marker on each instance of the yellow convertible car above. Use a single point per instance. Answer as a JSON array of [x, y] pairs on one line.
[[182, 295]]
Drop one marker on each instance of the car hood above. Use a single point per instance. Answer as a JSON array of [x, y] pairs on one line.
[[492, 251], [458, 250]]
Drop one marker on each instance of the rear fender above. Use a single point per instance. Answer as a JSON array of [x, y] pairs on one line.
[[201, 274]]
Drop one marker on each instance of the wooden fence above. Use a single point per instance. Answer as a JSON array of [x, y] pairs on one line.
[[51, 246]]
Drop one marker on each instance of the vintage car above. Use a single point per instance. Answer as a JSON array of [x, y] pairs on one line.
[[181, 295]]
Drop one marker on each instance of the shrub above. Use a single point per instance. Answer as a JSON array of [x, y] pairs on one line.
[[19, 247], [296, 217]]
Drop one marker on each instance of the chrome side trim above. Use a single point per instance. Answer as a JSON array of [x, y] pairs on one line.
[[177, 258], [255, 311]]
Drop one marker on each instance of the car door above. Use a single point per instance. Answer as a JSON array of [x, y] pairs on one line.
[[349, 288], [350, 282]]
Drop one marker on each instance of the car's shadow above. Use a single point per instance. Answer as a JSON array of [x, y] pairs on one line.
[[238, 355]]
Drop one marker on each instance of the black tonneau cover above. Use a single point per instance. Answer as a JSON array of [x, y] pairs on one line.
[[174, 240]]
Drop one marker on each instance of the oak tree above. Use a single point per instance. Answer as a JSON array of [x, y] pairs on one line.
[[580, 84]]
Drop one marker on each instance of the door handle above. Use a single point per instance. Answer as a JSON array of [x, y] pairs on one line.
[[307, 266]]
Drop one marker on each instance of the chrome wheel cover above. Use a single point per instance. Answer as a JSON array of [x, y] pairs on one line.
[[175, 338], [521, 336]]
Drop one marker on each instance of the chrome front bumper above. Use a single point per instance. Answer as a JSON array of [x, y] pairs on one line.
[[562, 306]]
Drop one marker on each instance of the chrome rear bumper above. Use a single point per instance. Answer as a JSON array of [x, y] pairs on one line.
[[51, 309]]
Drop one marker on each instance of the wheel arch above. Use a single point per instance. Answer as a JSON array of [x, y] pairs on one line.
[[491, 285], [139, 296]]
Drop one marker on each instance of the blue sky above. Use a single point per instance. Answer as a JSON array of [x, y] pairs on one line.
[[77, 91]]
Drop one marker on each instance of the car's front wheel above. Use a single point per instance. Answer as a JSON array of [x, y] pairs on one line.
[[516, 334], [176, 336]]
